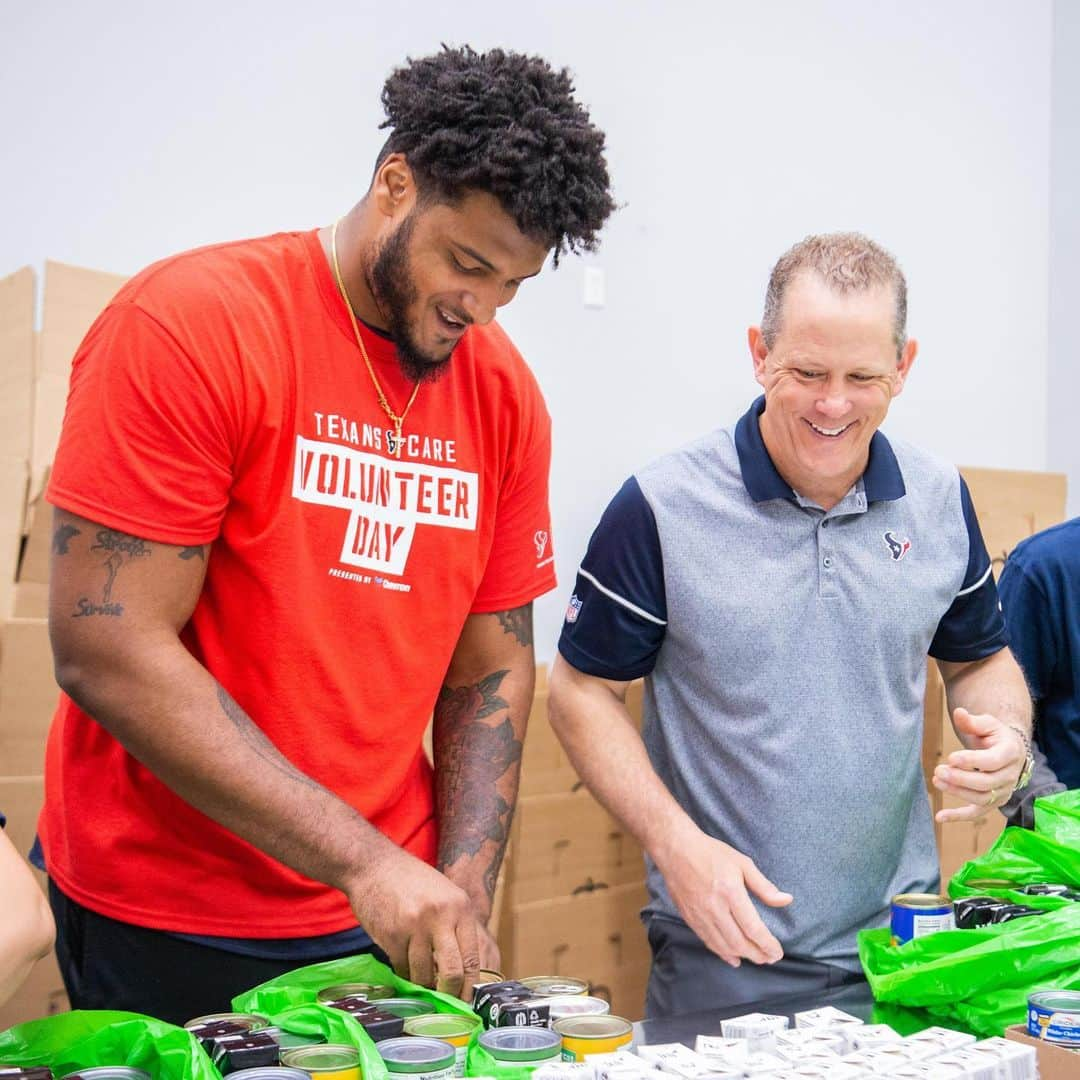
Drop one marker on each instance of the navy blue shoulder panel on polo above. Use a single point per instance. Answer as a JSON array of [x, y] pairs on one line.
[[616, 619], [973, 627]]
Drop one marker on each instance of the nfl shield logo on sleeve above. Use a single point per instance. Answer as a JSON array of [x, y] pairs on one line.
[[573, 608]]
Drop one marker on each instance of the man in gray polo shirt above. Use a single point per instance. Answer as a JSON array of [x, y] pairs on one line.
[[780, 584]]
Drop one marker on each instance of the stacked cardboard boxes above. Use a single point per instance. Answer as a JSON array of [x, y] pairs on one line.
[[1010, 506], [575, 879], [34, 367]]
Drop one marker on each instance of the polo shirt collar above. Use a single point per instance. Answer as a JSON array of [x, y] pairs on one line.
[[882, 480]]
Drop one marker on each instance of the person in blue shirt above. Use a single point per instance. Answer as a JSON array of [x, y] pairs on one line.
[[1040, 597]]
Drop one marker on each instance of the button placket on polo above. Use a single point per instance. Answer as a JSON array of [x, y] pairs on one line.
[[826, 556]]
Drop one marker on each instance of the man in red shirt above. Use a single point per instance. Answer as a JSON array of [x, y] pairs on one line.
[[301, 507]]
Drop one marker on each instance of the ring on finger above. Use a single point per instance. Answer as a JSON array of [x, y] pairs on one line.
[[993, 797]]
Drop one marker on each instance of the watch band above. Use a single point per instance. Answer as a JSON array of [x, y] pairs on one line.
[[1029, 758]]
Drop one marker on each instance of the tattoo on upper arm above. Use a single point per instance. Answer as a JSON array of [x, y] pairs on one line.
[[196, 551], [518, 621], [62, 535], [256, 738], [120, 549], [472, 758]]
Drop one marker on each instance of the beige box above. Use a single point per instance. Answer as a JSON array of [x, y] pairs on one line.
[[17, 349], [13, 482], [576, 935], [37, 549], [31, 600], [43, 992], [623, 987], [561, 843], [28, 696], [1055, 1062], [74, 297]]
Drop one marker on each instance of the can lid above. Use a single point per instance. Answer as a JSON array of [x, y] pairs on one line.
[[110, 1072], [270, 1072], [520, 1043], [1065, 1000], [922, 900], [249, 1020], [371, 991], [406, 1006], [442, 1025], [592, 1027], [562, 1005], [330, 1056], [415, 1053], [550, 985]]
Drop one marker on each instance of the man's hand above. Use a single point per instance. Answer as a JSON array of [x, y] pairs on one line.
[[985, 773], [422, 921], [710, 883]]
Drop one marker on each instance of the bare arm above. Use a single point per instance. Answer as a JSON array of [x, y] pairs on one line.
[[26, 929], [707, 879], [478, 732], [117, 605], [987, 700]]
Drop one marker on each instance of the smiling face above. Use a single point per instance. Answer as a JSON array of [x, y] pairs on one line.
[[442, 267], [829, 379]]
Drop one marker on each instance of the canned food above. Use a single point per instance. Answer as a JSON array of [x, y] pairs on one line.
[[455, 1028], [371, 991], [269, 1072], [245, 1021], [916, 915], [28, 1072], [329, 1062], [522, 1045], [108, 1072], [574, 1005], [582, 1035], [1054, 1016], [555, 985], [990, 883], [406, 1007], [418, 1057], [487, 975]]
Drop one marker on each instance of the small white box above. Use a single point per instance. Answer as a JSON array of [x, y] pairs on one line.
[[825, 1017], [565, 1070], [721, 1049], [761, 1062], [943, 1036], [1016, 1061], [871, 1036]]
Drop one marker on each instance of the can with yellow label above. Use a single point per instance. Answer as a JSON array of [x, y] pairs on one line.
[[455, 1028], [329, 1062], [583, 1035]]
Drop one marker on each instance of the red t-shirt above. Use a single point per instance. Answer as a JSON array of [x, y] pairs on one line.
[[221, 398]]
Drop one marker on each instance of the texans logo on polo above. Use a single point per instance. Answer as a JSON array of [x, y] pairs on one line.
[[897, 548]]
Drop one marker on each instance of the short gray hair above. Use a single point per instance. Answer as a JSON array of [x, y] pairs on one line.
[[846, 262]]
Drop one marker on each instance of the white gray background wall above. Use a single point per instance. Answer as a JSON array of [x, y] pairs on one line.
[[945, 130]]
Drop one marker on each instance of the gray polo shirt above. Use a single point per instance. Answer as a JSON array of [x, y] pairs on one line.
[[784, 649]]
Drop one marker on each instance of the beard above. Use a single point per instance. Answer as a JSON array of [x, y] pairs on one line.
[[391, 283]]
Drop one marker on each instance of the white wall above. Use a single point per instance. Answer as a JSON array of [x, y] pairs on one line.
[[1064, 365], [132, 130]]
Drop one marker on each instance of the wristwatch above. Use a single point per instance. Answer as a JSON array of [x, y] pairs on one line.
[[1029, 759]]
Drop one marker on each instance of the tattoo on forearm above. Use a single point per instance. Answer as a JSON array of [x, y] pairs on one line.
[[121, 549], [195, 552], [518, 621], [472, 758], [62, 536], [257, 740]]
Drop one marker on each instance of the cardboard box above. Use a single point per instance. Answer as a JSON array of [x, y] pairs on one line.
[[623, 987], [37, 549], [50, 400], [576, 935], [74, 297], [1055, 1062], [13, 482], [28, 696], [31, 600], [17, 350], [560, 843], [43, 992]]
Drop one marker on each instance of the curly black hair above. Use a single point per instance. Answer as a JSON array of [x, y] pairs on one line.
[[507, 124]]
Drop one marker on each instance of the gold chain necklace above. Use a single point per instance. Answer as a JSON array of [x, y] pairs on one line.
[[396, 420]]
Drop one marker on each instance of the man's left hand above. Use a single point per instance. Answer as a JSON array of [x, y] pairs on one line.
[[985, 773]]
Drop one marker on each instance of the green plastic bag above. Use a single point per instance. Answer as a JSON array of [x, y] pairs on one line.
[[289, 1002], [1057, 817], [83, 1039], [981, 978]]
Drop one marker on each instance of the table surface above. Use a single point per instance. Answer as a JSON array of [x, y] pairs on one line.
[[855, 999]]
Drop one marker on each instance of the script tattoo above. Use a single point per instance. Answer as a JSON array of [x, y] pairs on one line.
[[62, 536], [518, 621], [194, 552], [121, 549], [472, 758], [257, 740]]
